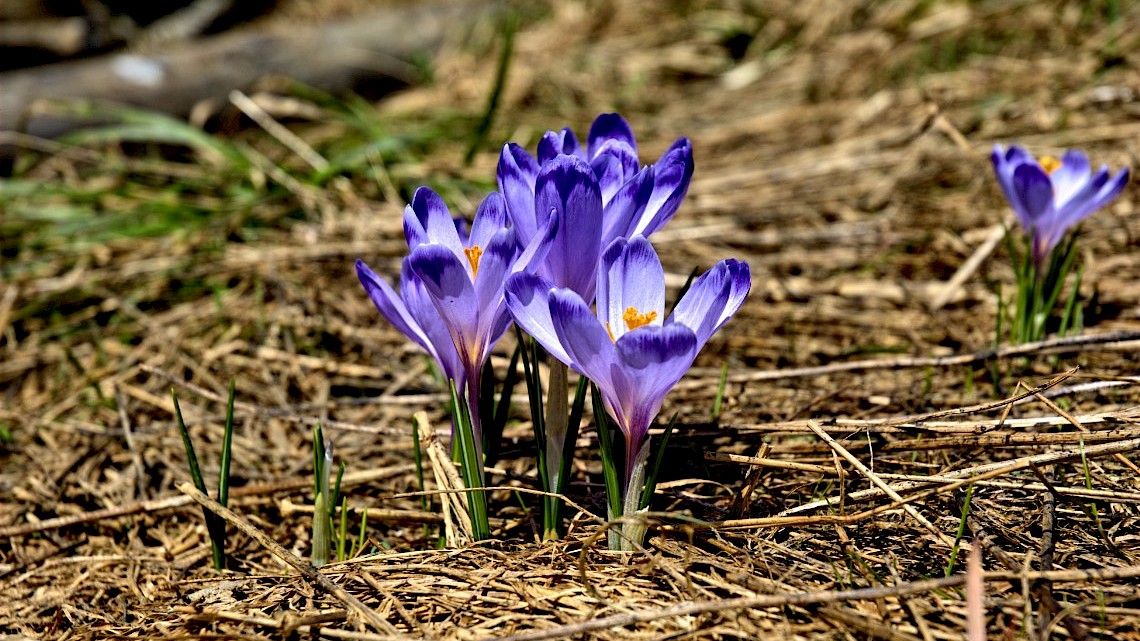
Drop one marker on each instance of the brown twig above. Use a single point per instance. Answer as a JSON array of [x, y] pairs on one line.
[[975, 595], [1077, 424], [171, 502], [809, 598], [993, 237], [879, 483], [136, 457], [1103, 449], [743, 499], [286, 137], [1047, 346], [1041, 589], [306, 569], [761, 461], [919, 620]]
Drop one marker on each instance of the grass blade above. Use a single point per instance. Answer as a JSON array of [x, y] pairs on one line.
[[609, 461], [191, 456], [684, 290], [215, 527], [720, 385], [227, 443], [510, 26], [472, 467], [961, 530], [658, 456], [577, 408]]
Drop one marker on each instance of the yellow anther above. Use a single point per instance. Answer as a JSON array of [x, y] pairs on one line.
[[1049, 164], [610, 331], [474, 253], [634, 319]]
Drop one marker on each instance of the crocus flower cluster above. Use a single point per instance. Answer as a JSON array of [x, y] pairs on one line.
[[1051, 195], [568, 226]]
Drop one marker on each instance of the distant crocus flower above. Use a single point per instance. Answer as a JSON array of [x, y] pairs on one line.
[[628, 348], [602, 192], [1049, 195]]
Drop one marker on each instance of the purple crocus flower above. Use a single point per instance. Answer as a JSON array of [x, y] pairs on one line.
[[1049, 195], [452, 284], [464, 278], [627, 348], [413, 313], [601, 191]]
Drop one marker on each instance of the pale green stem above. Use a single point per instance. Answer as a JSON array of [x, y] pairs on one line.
[[557, 421], [474, 390], [322, 534], [632, 535], [322, 522], [557, 424]]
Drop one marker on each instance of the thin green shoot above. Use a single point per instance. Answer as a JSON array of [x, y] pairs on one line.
[[495, 414], [342, 534], [1002, 313], [1093, 512], [552, 503], [684, 290], [655, 468], [1102, 612], [721, 384], [510, 379], [418, 455], [606, 448], [336, 488], [857, 559], [530, 354], [227, 445], [961, 529], [530, 359], [485, 404], [434, 371], [323, 502], [1085, 465], [472, 467], [510, 27], [215, 527], [577, 409], [362, 536], [1073, 317], [130, 124], [319, 555], [1035, 308]]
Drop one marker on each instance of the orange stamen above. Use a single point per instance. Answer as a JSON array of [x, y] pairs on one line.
[[634, 319], [610, 331], [474, 253], [1049, 164]]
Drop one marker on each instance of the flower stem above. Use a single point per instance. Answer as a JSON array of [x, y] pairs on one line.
[[609, 464], [472, 461], [557, 424], [633, 534]]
